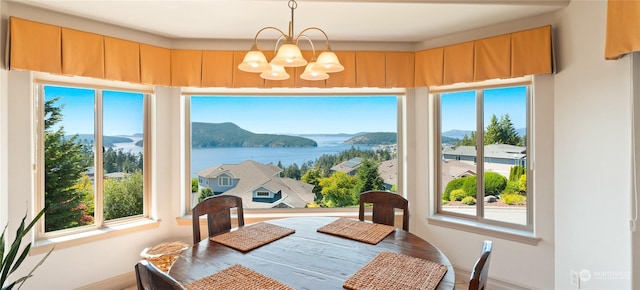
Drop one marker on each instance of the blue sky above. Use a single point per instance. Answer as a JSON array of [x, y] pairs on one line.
[[308, 115], [459, 112], [122, 111], [277, 115]]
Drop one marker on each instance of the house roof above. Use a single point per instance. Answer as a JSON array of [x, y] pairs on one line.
[[388, 171], [503, 151], [252, 175], [452, 169], [348, 165]]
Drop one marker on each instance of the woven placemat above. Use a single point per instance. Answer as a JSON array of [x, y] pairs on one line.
[[397, 271], [253, 236], [371, 233], [236, 277]]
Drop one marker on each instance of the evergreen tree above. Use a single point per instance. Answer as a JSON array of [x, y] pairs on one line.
[[508, 134], [368, 176], [467, 140], [312, 176], [292, 171], [493, 133], [63, 167]]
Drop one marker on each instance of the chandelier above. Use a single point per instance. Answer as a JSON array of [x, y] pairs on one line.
[[289, 55]]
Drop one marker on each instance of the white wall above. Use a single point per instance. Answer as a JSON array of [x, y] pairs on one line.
[[4, 137], [582, 145], [582, 153], [88, 263], [507, 268], [463, 248], [592, 152]]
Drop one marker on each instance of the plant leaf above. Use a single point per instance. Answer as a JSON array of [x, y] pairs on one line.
[[2, 248], [24, 254], [9, 287], [21, 280], [36, 266], [9, 264], [35, 219], [11, 255]]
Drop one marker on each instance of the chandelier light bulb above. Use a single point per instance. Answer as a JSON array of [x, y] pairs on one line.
[[289, 55]]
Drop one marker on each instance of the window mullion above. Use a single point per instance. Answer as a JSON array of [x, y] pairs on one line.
[[98, 162], [480, 155], [146, 165], [40, 180]]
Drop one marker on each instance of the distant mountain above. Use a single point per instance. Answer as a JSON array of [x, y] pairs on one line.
[[457, 134], [449, 140], [208, 135], [378, 138], [327, 135], [107, 141]]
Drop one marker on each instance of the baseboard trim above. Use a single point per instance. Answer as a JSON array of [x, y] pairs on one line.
[[492, 283], [114, 283]]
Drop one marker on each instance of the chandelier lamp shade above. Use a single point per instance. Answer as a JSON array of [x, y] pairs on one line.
[[289, 55]]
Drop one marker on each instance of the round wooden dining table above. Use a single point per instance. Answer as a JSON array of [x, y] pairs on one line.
[[306, 259]]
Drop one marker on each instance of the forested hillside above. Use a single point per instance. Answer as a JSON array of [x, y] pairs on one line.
[[208, 135], [107, 141], [379, 138]]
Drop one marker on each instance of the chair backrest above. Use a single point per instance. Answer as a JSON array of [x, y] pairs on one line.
[[218, 211], [384, 205], [149, 277], [481, 268]]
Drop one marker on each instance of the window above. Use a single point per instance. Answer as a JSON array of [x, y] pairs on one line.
[[262, 194], [91, 156], [224, 181], [310, 151], [495, 190]]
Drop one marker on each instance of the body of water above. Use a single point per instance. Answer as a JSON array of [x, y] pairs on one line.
[[202, 158]]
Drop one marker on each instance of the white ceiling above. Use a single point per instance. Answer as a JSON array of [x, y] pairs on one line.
[[354, 20]]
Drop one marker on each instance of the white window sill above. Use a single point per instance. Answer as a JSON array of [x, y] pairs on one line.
[[505, 233], [254, 216], [41, 246]]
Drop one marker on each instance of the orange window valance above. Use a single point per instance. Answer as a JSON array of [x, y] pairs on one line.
[[623, 28], [47, 48], [517, 54]]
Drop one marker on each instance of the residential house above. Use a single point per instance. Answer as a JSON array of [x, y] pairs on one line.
[[452, 169], [497, 157], [388, 171], [350, 167], [259, 185]]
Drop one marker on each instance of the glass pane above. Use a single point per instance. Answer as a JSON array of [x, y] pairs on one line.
[[505, 154], [123, 123], [293, 152], [68, 157], [458, 162]]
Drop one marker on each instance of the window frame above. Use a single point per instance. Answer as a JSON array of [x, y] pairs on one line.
[[224, 181], [100, 224], [477, 222], [260, 214]]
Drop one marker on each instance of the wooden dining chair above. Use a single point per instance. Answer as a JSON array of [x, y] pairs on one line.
[[149, 277], [218, 211], [481, 269], [384, 205]]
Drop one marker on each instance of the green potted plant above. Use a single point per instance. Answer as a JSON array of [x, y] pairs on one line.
[[11, 261]]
